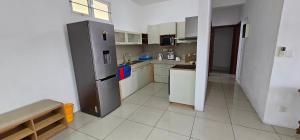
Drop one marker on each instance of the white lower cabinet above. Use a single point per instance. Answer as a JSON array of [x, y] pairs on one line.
[[139, 78], [162, 73], [161, 79], [126, 87], [182, 86]]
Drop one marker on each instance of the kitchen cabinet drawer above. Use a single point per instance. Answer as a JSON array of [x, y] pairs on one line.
[[168, 66], [161, 71], [161, 79]]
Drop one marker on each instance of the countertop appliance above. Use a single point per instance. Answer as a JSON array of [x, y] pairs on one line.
[[182, 84], [160, 57], [94, 57], [171, 55], [167, 40]]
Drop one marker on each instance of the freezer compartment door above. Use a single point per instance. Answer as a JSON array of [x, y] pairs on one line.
[[109, 95], [103, 48]]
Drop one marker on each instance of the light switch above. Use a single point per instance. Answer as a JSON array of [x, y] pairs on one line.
[[284, 52]]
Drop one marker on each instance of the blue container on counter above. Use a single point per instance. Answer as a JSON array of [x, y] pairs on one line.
[[145, 57]]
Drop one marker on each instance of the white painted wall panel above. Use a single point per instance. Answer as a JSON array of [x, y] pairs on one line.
[[285, 79]]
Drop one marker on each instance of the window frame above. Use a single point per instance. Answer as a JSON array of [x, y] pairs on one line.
[[91, 9]]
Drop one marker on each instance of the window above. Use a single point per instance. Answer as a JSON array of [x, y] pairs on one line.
[[80, 6], [96, 8]]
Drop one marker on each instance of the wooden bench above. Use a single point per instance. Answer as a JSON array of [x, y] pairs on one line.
[[298, 130], [37, 121]]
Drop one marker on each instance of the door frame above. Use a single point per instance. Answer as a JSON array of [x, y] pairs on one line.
[[234, 50]]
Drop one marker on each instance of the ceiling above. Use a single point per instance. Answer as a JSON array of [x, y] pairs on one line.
[[147, 2]]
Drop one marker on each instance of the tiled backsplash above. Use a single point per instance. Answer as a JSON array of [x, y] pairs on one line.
[[135, 50], [180, 50]]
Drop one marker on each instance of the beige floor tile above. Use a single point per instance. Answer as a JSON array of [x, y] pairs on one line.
[[78, 136], [158, 134], [146, 115], [248, 119], [81, 119], [163, 93], [212, 130], [137, 99], [101, 128], [154, 86], [178, 123], [63, 134], [243, 133], [186, 110], [216, 102], [283, 137], [214, 113], [285, 131], [159, 103], [130, 131], [240, 105], [146, 91], [125, 110]]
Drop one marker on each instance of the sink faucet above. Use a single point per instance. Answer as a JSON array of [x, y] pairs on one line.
[[127, 57]]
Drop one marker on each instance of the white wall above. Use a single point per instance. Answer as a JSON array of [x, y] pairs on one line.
[[170, 11], [285, 79], [224, 3], [128, 16], [264, 18], [203, 43], [226, 15], [34, 52]]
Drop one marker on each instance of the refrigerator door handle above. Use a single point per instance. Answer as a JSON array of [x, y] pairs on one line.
[[107, 78]]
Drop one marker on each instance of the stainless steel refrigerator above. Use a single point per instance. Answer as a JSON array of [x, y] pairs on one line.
[[95, 65]]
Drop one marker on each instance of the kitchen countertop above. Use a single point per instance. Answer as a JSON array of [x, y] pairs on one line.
[[171, 62], [184, 67], [154, 61]]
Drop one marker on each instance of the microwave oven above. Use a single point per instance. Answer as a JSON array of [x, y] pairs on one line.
[[167, 40]]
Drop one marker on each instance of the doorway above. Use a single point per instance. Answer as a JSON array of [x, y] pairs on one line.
[[224, 47]]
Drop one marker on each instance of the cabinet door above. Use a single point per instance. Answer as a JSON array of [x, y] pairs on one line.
[[180, 29], [134, 38], [149, 74], [135, 81], [120, 38], [167, 28], [139, 78], [153, 34], [126, 87]]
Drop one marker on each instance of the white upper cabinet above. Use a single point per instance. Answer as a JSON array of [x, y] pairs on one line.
[[167, 28], [153, 34], [134, 38], [127, 38], [180, 30], [120, 37]]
